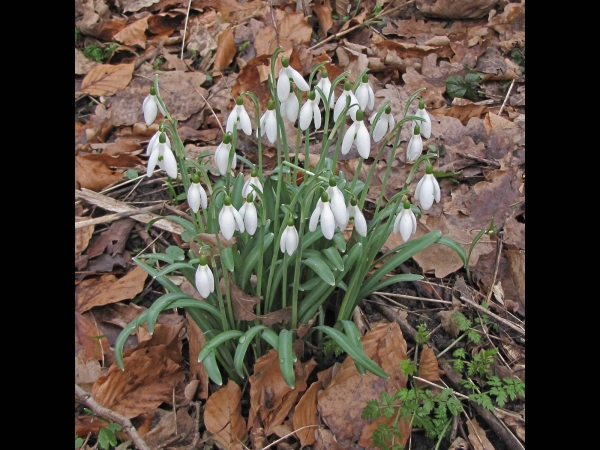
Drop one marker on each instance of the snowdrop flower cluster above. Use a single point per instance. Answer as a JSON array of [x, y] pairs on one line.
[[406, 222], [162, 155], [428, 189]]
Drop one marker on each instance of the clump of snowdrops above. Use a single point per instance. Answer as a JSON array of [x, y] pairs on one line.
[[279, 239]]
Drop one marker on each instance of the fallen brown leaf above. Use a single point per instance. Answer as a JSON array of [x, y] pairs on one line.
[[323, 13], [232, 11], [428, 366], [449, 9], [88, 334], [196, 340], [168, 425], [82, 64], [93, 174], [306, 414], [465, 112], [223, 418], [134, 33], [107, 79], [82, 236], [477, 436], [122, 160], [226, 50]]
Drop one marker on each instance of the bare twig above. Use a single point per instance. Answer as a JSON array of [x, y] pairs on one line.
[[113, 217], [512, 83], [86, 399], [492, 315], [187, 17], [211, 110], [287, 436], [412, 297]]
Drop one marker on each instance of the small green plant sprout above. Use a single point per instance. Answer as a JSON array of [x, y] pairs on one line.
[[95, 52], [106, 435], [280, 238], [467, 87]]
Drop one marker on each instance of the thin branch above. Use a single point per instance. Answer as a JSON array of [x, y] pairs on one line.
[[512, 83], [86, 399], [113, 217], [187, 17]]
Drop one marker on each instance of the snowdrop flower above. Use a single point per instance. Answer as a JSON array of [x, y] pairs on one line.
[[151, 106], [425, 124], [205, 281], [406, 222], [221, 155], [310, 110], [290, 106], [154, 142], [289, 238], [386, 122], [249, 214], [268, 123], [356, 215], [325, 85], [283, 83], [239, 115], [341, 103], [323, 213], [338, 204], [364, 94], [253, 180], [358, 134], [415, 145], [428, 189], [230, 219], [196, 194], [163, 156]]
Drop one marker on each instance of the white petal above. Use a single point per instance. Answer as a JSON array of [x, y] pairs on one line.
[[245, 120], [152, 162], [425, 125], [271, 127], [298, 79], [436, 189], [338, 206], [204, 281], [291, 241], [222, 157], [305, 115], [413, 219], [380, 129], [363, 141], [340, 105], [231, 120], [250, 218], [327, 221], [396, 227], [316, 115], [415, 148], [371, 102], [362, 95], [153, 142], [426, 194], [405, 225], [150, 108], [314, 217], [418, 189], [169, 163], [193, 197], [227, 222], [348, 138], [283, 85], [291, 107], [352, 110], [239, 221], [283, 238], [203, 198], [262, 125], [360, 223], [391, 122]]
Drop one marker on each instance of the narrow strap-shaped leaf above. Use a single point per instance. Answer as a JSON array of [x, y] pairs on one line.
[[216, 341], [334, 256], [271, 337], [353, 350], [210, 364], [387, 281], [227, 258], [448, 242], [310, 284], [189, 226], [175, 266], [124, 334], [192, 303], [354, 336], [159, 256], [240, 351], [252, 259], [160, 305], [340, 241], [321, 269], [286, 357]]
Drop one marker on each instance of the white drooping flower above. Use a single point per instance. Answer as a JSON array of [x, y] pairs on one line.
[[385, 123], [151, 106], [205, 280], [338, 204], [323, 214], [341, 103], [428, 189], [358, 134], [283, 83], [268, 123], [289, 238], [406, 222], [230, 219], [196, 195], [253, 180], [290, 106], [163, 156], [356, 215], [249, 214], [221, 156], [154, 141], [310, 111], [415, 146], [325, 85], [425, 124], [239, 115], [364, 94]]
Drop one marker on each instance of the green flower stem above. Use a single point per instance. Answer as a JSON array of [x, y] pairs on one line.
[[338, 146], [297, 156], [322, 178], [388, 170], [297, 266], [356, 175], [227, 290], [306, 148], [452, 345], [284, 287], [218, 292]]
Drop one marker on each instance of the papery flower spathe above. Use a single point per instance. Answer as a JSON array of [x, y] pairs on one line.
[[356, 215], [323, 214], [163, 156], [196, 195], [205, 280], [283, 83], [239, 115], [289, 238], [415, 146], [290, 106], [425, 124], [310, 110], [230, 219], [358, 134], [253, 180], [338, 204], [151, 106], [364, 94], [268, 123], [428, 189], [341, 103], [406, 222], [325, 85], [249, 214], [386, 122], [221, 155]]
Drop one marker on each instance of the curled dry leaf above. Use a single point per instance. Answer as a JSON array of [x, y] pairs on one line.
[[196, 340], [223, 418], [134, 33], [136, 5], [477, 436], [82, 236], [93, 174], [232, 11], [323, 13], [428, 367], [87, 334], [226, 50], [306, 414], [107, 79], [450, 9], [82, 64]]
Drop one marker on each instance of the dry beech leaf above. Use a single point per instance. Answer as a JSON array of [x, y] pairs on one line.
[[465, 112], [196, 340], [107, 289], [323, 12], [87, 332], [222, 415], [450, 9], [146, 382], [82, 236], [93, 174], [428, 367], [134, 33], [82, 64], [226, 50], [459, 444], [136, 5], [477, 436], [122, 160], [325, 440], [295, 27], [306, 414], [232, 11], [107, 79]]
